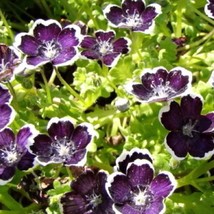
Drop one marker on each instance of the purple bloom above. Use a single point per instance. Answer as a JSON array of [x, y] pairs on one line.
[[190, 132], [63, 144], [127, 157], [137, 191], [134, 15], [14, 153], [9, 62], [7, 113], [47, 42], [209, 8], [160, 85], [88, 195], [103, 47]]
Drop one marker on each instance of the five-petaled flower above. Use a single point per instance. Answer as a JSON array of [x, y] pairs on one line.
[[47, 42], [7, 113], [190, 132], [64, 143], [209, 8], [160, 85], [14, 153], [134, 15], [104, 47], [138, 191], [9, 62], [88, 195]]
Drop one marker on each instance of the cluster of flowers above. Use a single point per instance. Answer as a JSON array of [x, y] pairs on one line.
[[133, 187]]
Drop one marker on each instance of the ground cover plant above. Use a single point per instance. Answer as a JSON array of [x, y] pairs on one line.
[[107, 106]]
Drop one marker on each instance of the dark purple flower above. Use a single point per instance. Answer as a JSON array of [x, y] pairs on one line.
[[63, 144], [127, 157], [190, 132], [209, 8], [7, 113], [9, 62], [134, 15], [104, 47], [14, 153], [160, 85], [137, 191], [88, 195], [47, 42]]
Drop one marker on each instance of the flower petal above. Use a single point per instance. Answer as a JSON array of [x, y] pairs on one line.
[[78, 158], [176, 144], [126, 208], [118, 187], [171, 116], [7, 115], [7, 174], [66, 57], [114, 14], [110, 60], [210, 116], [46, 30], [127, 157], [156, 207], [69, 36], [41, 147], [60, 128], [122, 45], [202, 146], [163, 185], [131, 7], [140, 173], [27, 44], [209, 9], [35, 61], [85, 184], [90, 54], [89, 42], [82, 135], [7, 138], [147, 18], [4, 95], [105, 36], [26, 162], [73, 203], [191, 106]]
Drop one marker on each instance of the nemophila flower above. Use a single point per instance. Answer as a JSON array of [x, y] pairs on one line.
[[9, 62], [64, 143], [160, 85], [190, 132], [127, 157], [104, 47], [138, 191], [134, 15], [88, 195], [47, 42], [209, 8], [14, 153], [7, 113]]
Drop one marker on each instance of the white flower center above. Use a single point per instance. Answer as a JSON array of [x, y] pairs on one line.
[[63, 148], [142, 198], [94, 200], [188, 128], [10, 154], [133, 20], [3, 65], [50, 49], [105, 47]]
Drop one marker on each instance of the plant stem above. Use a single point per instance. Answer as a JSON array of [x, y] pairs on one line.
[[67, 86], [47, 88]]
